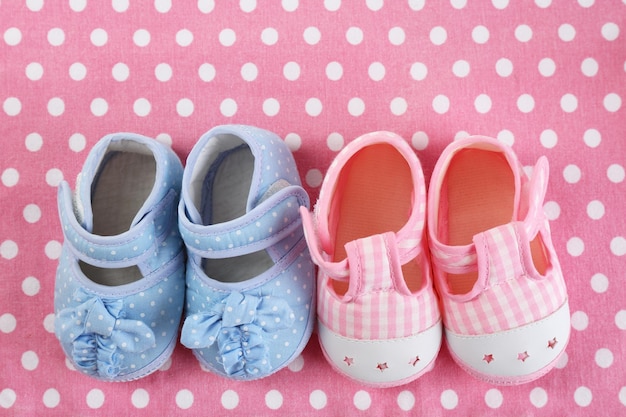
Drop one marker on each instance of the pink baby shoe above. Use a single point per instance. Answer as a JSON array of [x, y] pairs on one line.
[[505, 308], [378, 316]]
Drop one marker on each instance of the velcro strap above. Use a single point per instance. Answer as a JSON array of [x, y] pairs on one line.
[[265, 225], [126, 249]]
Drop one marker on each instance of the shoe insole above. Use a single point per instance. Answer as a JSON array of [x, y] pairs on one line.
[[224, 198], [373, 195], [122, 185]]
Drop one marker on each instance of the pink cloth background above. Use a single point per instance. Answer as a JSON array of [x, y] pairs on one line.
[[546, 76]]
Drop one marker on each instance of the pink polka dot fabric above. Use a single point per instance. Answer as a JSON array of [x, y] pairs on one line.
[[547, 77]]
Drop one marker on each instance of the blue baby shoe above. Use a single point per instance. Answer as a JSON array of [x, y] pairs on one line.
[[250, 282], [120, 281]]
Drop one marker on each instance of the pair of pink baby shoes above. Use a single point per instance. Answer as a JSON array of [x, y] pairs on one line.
[[486, 276]]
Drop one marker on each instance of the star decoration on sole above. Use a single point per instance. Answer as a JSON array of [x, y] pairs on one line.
[[488, 358], [523, 356], [382, 366], [414, 361], [349, 361], [552, 342]]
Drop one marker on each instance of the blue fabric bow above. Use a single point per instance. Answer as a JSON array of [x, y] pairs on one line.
[[238, 325], [96, 330]]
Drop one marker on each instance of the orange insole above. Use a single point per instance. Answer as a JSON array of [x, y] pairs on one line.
[[373, 195]]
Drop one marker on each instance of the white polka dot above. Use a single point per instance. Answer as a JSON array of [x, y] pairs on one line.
[[206, 6], [500, 4], [163, 6], [291, 71], [120, 72], [56, 106], [354, 35], [567, 32], [374, 5], [552, 210], [419, 140], [569, 103], [356, 106], [318, 399], [620, 320], [51, 398], [525, 103], [441, 104], [592, 138], [271, 107], [615, 173], [575, 246], [141, 37], [48, 323], [8, 249], [142, 107], [438, 35], [417, 4], [269, 36], [482, 103], [612, 102], [56, 36], [579, 320], [163, 72], [332, 5], [120, 6], [314, 178], [12, 106], [53, 249], [30, 360], [334, 71], [99, 107], [376, 71], [247, 5], [418, 71], [297, 364], [523, 33], [274, 399], [10, 177], [595, 209], [589, 67], [622, 395], [33, 142], [69, 365], [31, 286], [480, 34], [95, 398], [140, 398], [312, 35], [538, 397], [7, 398], [230, 399], [572, 174], [313, 107], [547, 67], [362, 400], [449, 399], [583, 396], [461, 68], [406, 400], [249, 71], [185, 107], [586, 3], [604, 358], [77, 142], [618, 246], [78, 5], [293, 141], [461, 134], [12, 36], [506, 136], [34, 71], [504, 67], [334, 142], [99, 37], [398, 106], [53, 177], [493, 398], [184, 399], [184, 37], [610, 31], [206, 72], [543, 3], [290, 5], [599, 283], [562, 361], [396, 36], [77, 71], [7, 323], [548, 138]]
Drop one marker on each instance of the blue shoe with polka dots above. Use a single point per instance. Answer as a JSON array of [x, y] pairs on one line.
[[250, 282], [120, 281]]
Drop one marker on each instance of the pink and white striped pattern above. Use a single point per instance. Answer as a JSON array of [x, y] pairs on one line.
[[377, 305]]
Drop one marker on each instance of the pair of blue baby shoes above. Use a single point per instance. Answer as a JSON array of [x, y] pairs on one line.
[[219, 242]]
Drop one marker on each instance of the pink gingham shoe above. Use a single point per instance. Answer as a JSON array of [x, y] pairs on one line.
[[505, 308], [378, 317]]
